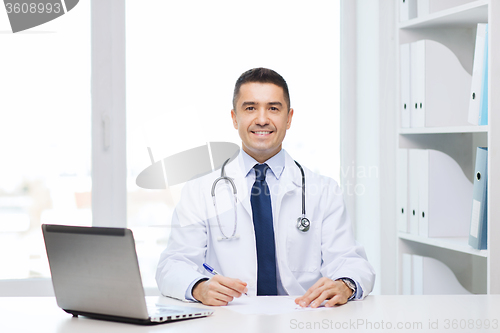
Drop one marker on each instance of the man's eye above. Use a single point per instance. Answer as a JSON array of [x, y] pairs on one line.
[[250, 108], [274, 108]]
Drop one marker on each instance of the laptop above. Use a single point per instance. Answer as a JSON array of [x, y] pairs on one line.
[[95, 273]]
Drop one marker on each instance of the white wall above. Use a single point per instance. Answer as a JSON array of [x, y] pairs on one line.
[[367, 124], [388, 125], [369, 57]]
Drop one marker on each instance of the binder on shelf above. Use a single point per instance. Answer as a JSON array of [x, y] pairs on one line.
[[423, 8], [440, 86], [478, 220], [406, 274], [405, 84], [417, 84], [483, 107], [402, 194], [479, 76], [407, 10], [444, 195], [413, 191], [433, 277], [417, 266], [423, 192]]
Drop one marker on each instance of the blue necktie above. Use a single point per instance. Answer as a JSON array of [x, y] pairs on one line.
[[264, 233]]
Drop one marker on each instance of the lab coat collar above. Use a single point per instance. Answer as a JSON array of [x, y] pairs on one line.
[[238, 170], [291, 173], [275, 163]]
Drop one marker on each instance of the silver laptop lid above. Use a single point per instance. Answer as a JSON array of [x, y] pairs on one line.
[[95, 270]]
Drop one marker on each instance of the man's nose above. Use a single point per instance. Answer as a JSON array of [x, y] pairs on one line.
[[262, 118]]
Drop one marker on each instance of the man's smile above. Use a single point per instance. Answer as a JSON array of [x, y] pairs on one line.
[[262, 133]]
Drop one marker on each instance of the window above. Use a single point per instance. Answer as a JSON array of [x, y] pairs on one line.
[[183, 58], [45, 136]]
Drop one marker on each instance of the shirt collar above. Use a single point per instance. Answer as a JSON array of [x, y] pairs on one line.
[[275, 163]]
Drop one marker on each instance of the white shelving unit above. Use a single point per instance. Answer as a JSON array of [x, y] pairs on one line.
[[467, 14], [434, 130], [477, 271], [458, 244]]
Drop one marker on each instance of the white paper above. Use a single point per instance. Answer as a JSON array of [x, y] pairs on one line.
[[474, 223], [269, 305]]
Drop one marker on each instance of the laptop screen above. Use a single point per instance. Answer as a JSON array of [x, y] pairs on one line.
[[95, 270]]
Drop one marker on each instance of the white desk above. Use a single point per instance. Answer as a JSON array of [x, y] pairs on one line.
[[31, 314]]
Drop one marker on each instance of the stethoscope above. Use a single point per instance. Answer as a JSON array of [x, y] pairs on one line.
[[303, 223]]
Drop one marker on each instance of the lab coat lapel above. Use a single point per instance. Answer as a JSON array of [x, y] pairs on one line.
[[235, 170], [290, 180], [243, 194]]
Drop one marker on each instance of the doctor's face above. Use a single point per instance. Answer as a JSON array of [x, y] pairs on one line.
[[261, 118]]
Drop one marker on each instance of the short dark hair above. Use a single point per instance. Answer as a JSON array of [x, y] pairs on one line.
[[261, 75]]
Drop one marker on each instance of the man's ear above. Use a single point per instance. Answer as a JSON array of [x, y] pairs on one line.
[[235, 122], [290, 115]]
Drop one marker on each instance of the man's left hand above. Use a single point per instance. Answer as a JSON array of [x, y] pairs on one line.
[[336, 291]]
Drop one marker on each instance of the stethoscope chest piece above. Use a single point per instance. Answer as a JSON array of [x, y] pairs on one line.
[[303, 224]]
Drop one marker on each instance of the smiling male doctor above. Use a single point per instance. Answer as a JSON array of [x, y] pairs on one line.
[[271, 256]]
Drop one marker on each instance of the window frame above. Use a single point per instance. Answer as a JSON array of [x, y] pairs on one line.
[[108, 133]]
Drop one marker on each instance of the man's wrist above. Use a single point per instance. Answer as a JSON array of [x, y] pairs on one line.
[[351, 285], [196, 285]]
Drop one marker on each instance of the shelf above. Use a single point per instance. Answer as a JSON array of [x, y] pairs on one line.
[[455, 28], [440, 130], [465, 15], [451, 243]]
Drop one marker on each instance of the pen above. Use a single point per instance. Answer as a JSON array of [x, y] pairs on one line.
[[212, 271]]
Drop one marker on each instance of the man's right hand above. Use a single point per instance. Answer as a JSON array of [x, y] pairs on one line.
[[219, 290]]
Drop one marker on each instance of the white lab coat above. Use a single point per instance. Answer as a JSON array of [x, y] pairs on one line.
[[327, 249]]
